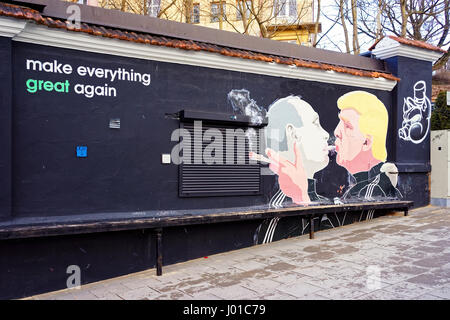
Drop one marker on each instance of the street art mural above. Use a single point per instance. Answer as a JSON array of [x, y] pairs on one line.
[[242, 103], [361, 147], [416, 115], [297, 147]]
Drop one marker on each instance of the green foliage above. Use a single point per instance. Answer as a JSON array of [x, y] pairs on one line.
[[440, 117]]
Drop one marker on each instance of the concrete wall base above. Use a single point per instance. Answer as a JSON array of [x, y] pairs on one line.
[[440, 202]]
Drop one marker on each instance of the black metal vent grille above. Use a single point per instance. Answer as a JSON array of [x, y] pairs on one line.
[[239, 178]]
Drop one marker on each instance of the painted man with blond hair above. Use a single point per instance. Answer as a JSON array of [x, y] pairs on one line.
[[360, 147]]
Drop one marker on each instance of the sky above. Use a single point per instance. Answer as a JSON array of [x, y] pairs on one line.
[[334, 39]]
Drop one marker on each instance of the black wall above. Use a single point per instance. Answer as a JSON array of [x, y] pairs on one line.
[[41, 175], [412, 160], [123, 170], [5, 127]]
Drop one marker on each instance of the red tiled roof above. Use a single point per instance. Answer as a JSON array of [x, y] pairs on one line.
[[413, 43], [437, 88], [19, 12]]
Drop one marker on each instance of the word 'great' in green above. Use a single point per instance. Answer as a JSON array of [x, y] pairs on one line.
[[38, 85]]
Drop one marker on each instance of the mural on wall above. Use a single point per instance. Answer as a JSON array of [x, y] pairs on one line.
[[297, 147], [241, 102], [416, 115], [296, 141]]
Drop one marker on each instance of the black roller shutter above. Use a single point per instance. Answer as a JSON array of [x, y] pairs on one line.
[[240, 178]]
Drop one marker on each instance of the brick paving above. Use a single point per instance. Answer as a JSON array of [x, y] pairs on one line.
[[391, 257]]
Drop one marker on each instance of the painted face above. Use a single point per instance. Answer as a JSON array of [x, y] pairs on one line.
[[312, 138], [349, 139]]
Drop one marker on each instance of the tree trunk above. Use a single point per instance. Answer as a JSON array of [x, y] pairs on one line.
[[242, 7], [262, 28], [442, 61], [446, 24], [189, 7], [344, 26], [316, 25], [221, 15], [379, 10], [404, 17], [355, 28]]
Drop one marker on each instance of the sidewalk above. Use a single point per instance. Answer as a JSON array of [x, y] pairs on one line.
[[391, 257]]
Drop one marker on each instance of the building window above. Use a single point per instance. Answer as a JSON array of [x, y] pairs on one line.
[[285, 8], [154, 7], [243, 6], [195, 18], [218, 10]]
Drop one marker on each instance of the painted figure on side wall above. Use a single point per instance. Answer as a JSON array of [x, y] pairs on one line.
[[361, 149], [416, 115], [360, 144], [294, 132]]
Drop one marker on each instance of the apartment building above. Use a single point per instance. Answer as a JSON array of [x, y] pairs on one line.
[[283, 20]]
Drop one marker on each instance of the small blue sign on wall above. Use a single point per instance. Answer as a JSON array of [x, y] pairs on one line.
[[81, 151]]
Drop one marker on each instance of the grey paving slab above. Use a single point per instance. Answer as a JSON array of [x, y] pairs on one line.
[[383, 295], [287, 277], [203, 296], [407, 289], [299, 289], [391, 257], [276, 295], [116, 288], [409, 269], [340, 293], [110, 296], [139, 294], [365, 285], [262, 286], [85, 295], [443, 292], [434, 279], [428, 297], [327, 282], [234, 292], [173, 295], [391, 276], [317, 272]]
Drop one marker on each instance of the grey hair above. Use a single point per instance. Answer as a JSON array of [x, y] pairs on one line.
[[281, 113]]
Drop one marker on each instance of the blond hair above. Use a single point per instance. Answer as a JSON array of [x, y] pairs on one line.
[[373, 118]]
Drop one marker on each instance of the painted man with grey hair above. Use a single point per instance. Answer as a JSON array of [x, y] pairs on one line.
[[294, 132]]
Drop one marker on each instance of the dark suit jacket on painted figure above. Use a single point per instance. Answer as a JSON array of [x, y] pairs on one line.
[[367, 185]]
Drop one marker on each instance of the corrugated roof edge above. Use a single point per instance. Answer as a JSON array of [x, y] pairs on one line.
[[161, 27], [15, 11]]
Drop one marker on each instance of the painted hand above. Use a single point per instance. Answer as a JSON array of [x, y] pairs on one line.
[[291, 176]]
